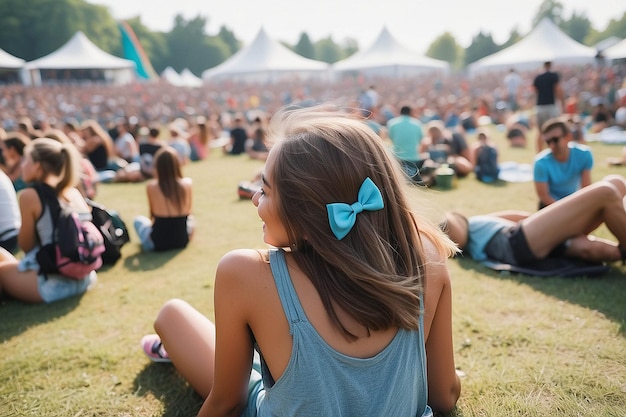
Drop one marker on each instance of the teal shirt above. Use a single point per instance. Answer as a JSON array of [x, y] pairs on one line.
[[321, 382], [481, 230], [406, 134]]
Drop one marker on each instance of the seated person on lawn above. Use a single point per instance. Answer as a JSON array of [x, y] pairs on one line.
[[561, 229]]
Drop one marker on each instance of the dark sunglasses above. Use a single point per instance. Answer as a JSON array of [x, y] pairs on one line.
[[553, 140]]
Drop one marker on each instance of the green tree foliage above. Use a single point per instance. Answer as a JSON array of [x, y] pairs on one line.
[[189, 46], [228, 37], [31, 29], [552, 9], [304, 47], [514, 36], [577, 27], [482, 45], [444, 48], [616, 27], [327, 50]]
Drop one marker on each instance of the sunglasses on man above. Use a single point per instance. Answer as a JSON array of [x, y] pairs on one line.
[[554, 140]]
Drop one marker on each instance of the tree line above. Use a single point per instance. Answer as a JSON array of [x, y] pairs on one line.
[[30, 29]]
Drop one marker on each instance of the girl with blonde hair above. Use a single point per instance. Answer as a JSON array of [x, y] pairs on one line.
[[54, 166]]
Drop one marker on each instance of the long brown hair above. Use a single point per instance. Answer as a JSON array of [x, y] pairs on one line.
[[376, 272], [168, 173]]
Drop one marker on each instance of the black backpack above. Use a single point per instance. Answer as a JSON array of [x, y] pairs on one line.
[[487, 169], [112, 228], [77, 246]]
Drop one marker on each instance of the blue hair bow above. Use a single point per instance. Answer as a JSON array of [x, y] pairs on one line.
[[342, 216]]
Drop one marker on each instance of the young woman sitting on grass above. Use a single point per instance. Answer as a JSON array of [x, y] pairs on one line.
[[55, 166], [561, 229], [350, 308], [169, 199]]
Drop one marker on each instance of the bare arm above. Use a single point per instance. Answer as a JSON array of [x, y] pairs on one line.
[[585, 178], [543, 192], [234, 350], [30, 210], [444, 385]]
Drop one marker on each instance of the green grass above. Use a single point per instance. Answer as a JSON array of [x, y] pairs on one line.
[[529, 346]]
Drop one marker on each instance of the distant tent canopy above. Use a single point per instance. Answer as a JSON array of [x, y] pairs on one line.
[[265, 60], [186, 78], [10, 67], [546, 42], [80, 60], [386, 57], [134, 51], [617, 51]]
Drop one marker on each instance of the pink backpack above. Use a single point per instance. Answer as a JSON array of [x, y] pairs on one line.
[[77, 245]]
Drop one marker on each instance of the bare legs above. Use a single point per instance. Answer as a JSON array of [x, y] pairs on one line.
[[23, 286], [189, 339], [579, 214]]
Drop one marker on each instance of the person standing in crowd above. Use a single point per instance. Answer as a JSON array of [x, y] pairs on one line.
[[55, 166], [406, 133], [563, 168], [549, 96], [10, 217], [347, 294], [512, 83], [169, 203]]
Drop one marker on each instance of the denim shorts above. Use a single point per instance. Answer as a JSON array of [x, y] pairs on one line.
[[54, 287], [510, 246]]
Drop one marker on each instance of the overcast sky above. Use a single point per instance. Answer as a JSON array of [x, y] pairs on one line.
[[414, 23]]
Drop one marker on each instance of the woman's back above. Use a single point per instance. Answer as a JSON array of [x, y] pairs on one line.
[[309, 368], [165, 206]]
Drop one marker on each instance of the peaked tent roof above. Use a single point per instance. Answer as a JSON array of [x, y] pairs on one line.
[[190, 79], [546, 42], [264, 58], [9, 61], [616, 51], [387, 55], [170, 75], [80, 53]]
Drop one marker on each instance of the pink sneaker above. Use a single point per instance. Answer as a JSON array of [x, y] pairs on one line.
[[153, 348]]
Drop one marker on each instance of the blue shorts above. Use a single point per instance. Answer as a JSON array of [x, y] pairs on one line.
[[54, 287]]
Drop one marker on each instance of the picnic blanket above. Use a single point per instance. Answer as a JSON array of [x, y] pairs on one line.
[[611, 135], [552, 267], [511, 171]]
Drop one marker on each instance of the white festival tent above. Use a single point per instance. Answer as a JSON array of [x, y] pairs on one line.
[[387, 57], [190, 79], [170, 75], [617, 51], [265, 60], [546, 42], [10, 67], [8, 61], [82, 55]]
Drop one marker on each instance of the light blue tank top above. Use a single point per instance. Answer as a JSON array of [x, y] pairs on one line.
[[319, 381]]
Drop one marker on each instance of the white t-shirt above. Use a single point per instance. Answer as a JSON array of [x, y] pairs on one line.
[[10, 218]]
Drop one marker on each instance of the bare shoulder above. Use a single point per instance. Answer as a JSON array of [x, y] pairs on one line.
[[436, 266], [28, 196], [242, 265]]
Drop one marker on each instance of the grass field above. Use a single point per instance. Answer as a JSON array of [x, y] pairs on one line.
[[528, 346]]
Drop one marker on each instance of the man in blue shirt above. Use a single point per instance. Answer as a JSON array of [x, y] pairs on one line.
[[406, 133], [562, 169]]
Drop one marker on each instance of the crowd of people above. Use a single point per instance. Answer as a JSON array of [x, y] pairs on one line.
[[355, 275]]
